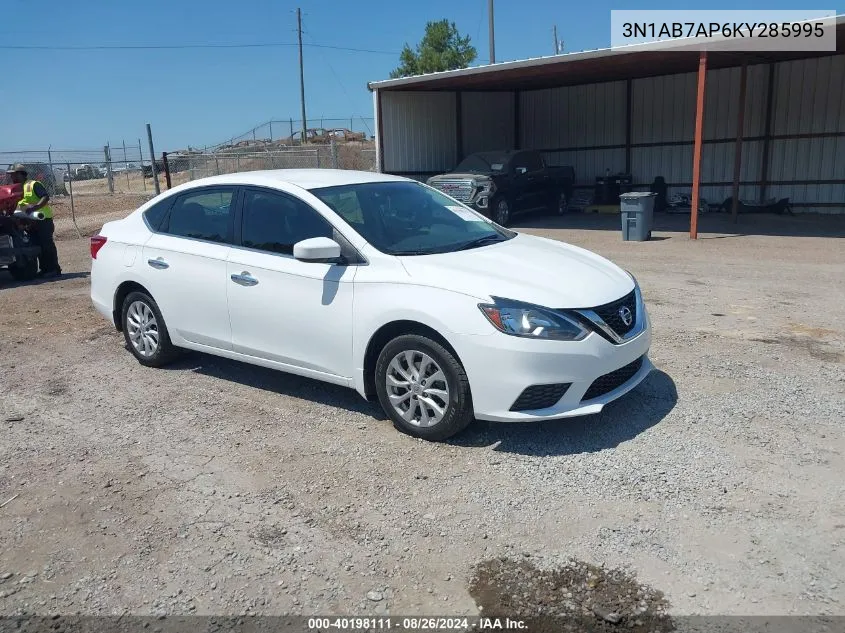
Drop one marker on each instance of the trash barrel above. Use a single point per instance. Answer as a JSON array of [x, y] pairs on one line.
[[637, 211]]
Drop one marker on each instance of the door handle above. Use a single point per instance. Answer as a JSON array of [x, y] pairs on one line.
[[244, 279], [158, 263]]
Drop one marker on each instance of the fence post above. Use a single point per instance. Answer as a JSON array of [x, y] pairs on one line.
[[166, 164], [126, 167], [72, 208], [52, 172], [271, 131], [334, 152], [291, 131], [141, 161], [109, 175], [152, 160]]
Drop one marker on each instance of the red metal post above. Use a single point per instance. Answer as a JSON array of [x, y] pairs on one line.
[[696, 152]]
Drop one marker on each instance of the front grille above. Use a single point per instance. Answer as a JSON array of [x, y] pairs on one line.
[[613, 380], [610, 313], [460, 190], [540, 397]]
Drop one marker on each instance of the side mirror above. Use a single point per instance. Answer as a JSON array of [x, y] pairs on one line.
[[317, 249]]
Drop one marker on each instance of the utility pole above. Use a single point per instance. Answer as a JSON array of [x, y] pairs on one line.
[[302, 74], [557, 43], [492, 37]]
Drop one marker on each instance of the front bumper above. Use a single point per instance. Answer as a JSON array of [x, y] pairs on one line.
[[501, 367]]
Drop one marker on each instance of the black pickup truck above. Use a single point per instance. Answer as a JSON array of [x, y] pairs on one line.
[[506, 183]]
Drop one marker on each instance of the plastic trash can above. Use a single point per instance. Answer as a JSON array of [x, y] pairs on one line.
[[637, 211]]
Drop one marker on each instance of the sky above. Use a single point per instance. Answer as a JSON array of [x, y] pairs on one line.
[[83, 99]]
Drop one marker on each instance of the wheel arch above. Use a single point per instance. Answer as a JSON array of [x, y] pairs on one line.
[[120, 294], [387, 333]]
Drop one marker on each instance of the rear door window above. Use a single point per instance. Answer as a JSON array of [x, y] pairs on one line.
[[205, 214]]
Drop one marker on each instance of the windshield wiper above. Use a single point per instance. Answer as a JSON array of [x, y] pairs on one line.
[[418, 252], [481, 241]]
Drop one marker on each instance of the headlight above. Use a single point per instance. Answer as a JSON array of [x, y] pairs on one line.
[[530, 321], [487, 187]]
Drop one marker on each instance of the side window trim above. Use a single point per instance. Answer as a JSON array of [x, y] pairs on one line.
[[229, 239], [353, 256]]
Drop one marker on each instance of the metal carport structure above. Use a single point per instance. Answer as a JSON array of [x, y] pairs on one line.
[[725, 122]]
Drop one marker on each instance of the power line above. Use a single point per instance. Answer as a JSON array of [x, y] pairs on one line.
[[301, 76], [145, 47]]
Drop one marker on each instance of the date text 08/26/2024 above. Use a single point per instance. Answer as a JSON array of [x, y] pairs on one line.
[[414, 624]]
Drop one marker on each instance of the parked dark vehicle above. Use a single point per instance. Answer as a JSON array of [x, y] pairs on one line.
[[504, 184], [18, 253]]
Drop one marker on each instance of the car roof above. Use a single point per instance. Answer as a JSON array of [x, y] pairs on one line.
[[303, 178]]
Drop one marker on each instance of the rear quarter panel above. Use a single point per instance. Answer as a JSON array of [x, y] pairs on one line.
[[117, 261]]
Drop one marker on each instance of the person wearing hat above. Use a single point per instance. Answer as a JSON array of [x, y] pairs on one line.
[[36, 198]]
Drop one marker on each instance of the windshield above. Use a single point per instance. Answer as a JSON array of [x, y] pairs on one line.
[[482, 163], [408, 218]]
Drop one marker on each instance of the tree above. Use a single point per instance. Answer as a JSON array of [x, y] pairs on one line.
[[441, 48]]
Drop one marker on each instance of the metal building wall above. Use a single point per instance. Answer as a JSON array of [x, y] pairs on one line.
[[585, 126], [809, 100], [487, 121], [577, 126], [662, 129], [419, 130]]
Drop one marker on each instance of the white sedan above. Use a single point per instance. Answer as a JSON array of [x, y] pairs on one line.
[[378, 283]]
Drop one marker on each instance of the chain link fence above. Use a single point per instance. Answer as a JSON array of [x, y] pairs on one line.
[[96, 182], [108, 170], [288, 132], [184, 167]]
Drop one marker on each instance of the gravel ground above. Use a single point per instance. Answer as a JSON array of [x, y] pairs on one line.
[[218, 488]]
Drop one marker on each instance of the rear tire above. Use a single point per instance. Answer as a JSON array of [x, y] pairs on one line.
[[26, 272], [145, 332], [423, 388], [561, 204]]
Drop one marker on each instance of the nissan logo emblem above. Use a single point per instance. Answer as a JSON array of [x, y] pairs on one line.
[[626, 315]]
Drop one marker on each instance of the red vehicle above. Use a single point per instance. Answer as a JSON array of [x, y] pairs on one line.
[[18, 253]]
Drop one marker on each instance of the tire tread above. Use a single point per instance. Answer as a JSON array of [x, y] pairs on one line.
[[456, 419]]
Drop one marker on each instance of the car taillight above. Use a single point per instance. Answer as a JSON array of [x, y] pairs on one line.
[[97, 242]]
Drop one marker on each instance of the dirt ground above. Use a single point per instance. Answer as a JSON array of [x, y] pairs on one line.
[[217, 488]]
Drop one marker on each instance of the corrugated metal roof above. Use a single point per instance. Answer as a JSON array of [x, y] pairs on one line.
[[607, 64]]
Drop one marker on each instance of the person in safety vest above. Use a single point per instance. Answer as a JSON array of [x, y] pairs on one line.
[[36, 198]]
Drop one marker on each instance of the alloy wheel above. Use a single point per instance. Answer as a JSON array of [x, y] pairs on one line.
[[142, 327], [417, 388]]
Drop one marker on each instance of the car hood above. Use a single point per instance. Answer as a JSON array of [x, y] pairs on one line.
[[525, 268], [478, 175]]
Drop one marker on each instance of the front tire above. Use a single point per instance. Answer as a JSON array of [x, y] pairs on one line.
[[27, 271], [423, 388], [501, 211], [145, 332]]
